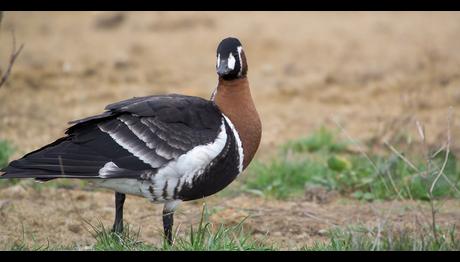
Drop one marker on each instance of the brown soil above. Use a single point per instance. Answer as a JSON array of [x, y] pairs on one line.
[[374, 73]]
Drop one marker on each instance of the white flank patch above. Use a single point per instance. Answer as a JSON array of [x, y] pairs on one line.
[[125, 186], [241, 60], [231, 61], [171, 206], [238, 142], [188, 165], [107, 169]]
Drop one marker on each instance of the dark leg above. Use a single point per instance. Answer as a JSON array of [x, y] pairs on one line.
[[119, 201], [168, 221]]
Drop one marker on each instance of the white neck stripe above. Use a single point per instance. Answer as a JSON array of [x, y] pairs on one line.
[[240, 48], [238, 142]]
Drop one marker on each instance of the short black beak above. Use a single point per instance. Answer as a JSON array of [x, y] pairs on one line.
[[223, 69]]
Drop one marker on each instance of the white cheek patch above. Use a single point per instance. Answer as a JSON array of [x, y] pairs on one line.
[[218, 60], [231, 61]]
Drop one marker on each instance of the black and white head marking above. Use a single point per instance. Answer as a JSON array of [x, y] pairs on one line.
[[231, 63]]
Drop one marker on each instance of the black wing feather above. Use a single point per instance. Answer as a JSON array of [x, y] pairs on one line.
[[156, 128]]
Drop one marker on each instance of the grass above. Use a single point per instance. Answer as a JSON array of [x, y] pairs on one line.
[[282, 178], [324, 160], [209, 237], [22, 245], [360, 238], [322, 140], [206, 236], [128, 240]]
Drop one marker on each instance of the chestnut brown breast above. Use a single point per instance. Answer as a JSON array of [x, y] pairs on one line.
[[235, 101]]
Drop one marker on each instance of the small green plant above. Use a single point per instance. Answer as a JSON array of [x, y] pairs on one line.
[[107, 240], [283, 178], [6, 150], [321, 140], [210, 237]]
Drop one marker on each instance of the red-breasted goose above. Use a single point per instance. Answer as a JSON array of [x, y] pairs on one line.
[[167, 148]]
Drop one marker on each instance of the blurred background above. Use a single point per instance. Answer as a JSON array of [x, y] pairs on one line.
[[362, 76]]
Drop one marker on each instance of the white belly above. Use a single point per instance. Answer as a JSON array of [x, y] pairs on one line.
[[127, 186]]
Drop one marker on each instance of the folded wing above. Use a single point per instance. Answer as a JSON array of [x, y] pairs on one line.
[[130, 138]]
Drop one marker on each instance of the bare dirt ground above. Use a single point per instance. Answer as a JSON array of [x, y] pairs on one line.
[[374, 73], [59, 216]]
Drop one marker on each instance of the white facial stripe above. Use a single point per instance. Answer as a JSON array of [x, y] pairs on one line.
[[241, 61], [218, 60], [231, 61]]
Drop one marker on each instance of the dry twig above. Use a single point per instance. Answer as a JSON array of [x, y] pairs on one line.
[[14, 55], [440, 172]]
